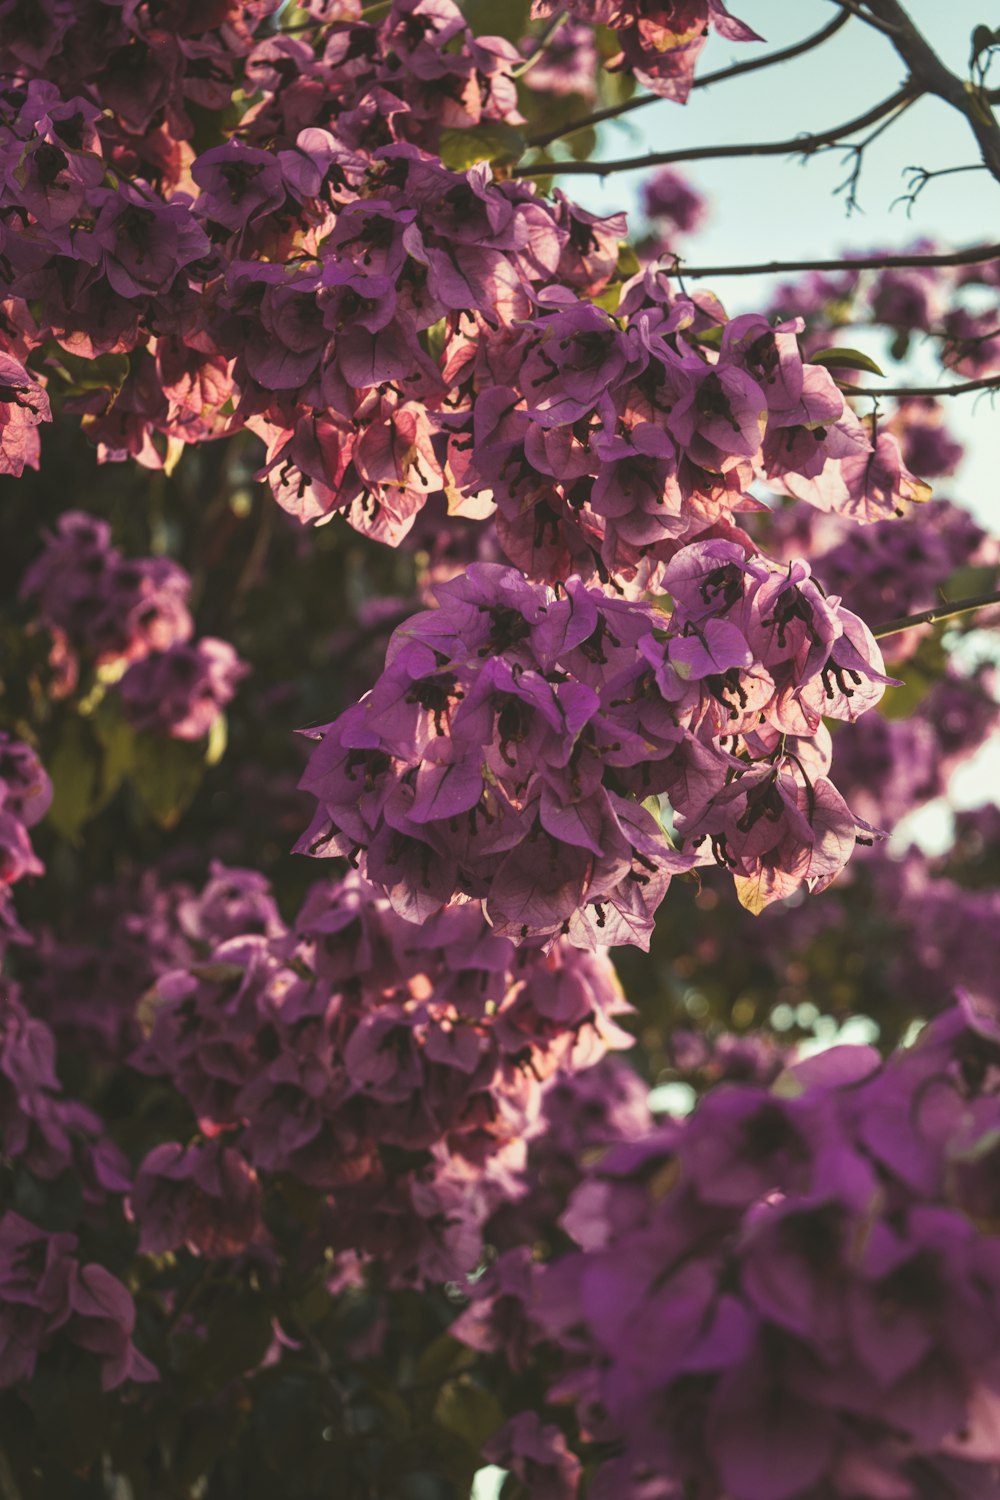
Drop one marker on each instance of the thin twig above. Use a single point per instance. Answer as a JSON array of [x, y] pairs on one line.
[[905, 392], [721, 75], [852, 180], [538, 52], [945, 611], [919, 177], [973, 256], [803, 145]]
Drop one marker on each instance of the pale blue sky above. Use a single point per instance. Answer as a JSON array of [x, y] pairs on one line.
[[774, 208]]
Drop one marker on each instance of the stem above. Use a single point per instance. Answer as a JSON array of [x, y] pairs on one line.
[[543, 41], [374, 12], [586, 122], [987, 383], [944, 611], [803, 145], [973, 256]]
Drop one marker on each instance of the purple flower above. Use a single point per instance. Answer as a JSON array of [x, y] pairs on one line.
[[203, 1196], [668, 196], [538, 1455], [181, 692], [23, 405]]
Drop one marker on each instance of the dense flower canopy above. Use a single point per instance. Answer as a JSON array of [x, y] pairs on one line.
[[324, 408]]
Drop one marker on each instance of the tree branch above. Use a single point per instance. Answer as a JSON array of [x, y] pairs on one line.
[[973, 256], [930, 76], [803, 145], [945, 611], [612, 112], [852, 8], [905, 392]]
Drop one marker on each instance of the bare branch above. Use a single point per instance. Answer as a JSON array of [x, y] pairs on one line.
[[945, 611], [930, 76], [905, 392], [973, 256], [613, 111], [803, 145], [852, 8]]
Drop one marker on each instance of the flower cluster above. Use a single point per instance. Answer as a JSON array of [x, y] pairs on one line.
[[393, 328], [609, 440], [41, 1130], [146, 64], [87, 991], [506, 752], [888, 767], [893, 568], [49, 1300], [130, 613], [368, 1059], [795, 1292], [660, 41]]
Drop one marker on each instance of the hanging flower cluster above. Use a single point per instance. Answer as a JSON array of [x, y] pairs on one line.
[[507, 750]]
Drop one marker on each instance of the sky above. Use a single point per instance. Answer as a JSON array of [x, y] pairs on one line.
[[775, 208]]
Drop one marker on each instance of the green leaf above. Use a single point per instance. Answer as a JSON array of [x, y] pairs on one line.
[[752, 892], [117, 741], [218, 739], [609, 298], [166, 775], [582, 144], [846, 359], [983, 39], [441, 1356], [468, 1410], [492, 141], [628, 262], [711, 336], [919, 674], [237, 1337], [654, 806], [75, 769], [108, 372], [487, 18]]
